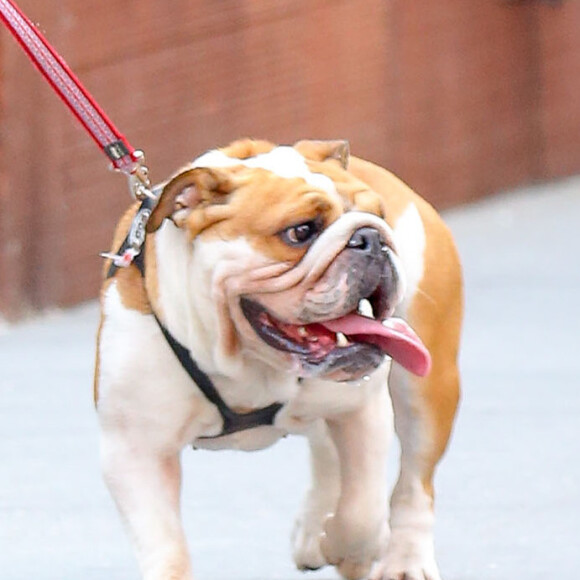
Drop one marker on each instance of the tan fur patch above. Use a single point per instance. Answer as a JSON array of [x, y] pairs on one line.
[[338, 151], [258, 212], [151, 289], [132, 290], [370, 188], [436, 315], [245, 148]]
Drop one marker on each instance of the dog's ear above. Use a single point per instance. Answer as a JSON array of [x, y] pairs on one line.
[[185, 191], [323, 150]]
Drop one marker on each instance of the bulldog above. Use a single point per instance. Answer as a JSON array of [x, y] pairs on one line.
[[284, 290]]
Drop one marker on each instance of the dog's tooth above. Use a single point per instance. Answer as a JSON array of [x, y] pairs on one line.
[[365, 308], [341, 339], [302, 331]]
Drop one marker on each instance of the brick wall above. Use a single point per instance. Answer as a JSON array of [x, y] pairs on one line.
[[559, 70], [459, 98]]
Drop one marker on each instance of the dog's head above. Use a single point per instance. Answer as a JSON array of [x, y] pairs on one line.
[[292, 254]]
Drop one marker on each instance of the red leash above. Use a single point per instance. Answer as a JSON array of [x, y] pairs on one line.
[[123, 156]]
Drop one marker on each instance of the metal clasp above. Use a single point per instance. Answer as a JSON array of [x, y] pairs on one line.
[[139, 183]]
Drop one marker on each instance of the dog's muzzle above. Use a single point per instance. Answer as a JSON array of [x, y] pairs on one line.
[[341, 331], [371, 273]]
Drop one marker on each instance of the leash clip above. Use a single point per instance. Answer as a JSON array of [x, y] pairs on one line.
[[139, 183]]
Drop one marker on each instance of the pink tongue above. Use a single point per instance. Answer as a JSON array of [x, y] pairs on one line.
[[393, 336]]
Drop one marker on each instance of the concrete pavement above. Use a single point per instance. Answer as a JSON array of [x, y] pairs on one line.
[[508, 503]]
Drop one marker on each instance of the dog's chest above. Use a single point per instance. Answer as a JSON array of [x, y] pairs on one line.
[[141, 377], [304, 403]]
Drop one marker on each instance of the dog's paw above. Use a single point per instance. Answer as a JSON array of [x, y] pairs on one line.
[[306, 537], [352, 548], [408, 557]]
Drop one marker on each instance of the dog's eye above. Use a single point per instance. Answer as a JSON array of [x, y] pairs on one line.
[[301, 234]]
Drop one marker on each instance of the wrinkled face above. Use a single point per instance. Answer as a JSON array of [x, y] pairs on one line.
[[299, 261]]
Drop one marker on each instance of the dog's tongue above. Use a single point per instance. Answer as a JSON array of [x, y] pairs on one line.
[[393, 336]]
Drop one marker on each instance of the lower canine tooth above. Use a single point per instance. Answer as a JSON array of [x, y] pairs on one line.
[[365, 308], [341, 340]]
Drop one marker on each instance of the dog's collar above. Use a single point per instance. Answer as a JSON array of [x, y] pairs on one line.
[[133, 246], [233, 422]]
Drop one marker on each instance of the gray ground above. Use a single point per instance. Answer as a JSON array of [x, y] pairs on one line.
[[508, 491]]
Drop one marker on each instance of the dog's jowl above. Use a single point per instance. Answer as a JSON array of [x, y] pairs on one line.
[[284, 290]]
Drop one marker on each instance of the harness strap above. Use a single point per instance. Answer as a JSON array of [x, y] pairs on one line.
[[233, 422]]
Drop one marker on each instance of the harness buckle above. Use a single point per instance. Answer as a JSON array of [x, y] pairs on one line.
[[121, 260]]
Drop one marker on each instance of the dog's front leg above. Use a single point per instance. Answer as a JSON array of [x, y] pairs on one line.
[[320, 501], [145, 484], [355, 533]]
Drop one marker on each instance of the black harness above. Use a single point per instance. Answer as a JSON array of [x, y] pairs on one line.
[[233, 422]]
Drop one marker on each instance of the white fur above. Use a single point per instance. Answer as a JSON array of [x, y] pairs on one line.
[[320, 501], [410, 240], [143, 428], [410, 549], [189, 286], [343, 519], [283, 161], [135, 360]]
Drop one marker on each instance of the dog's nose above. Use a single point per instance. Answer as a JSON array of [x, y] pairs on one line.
[[366, 240]]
